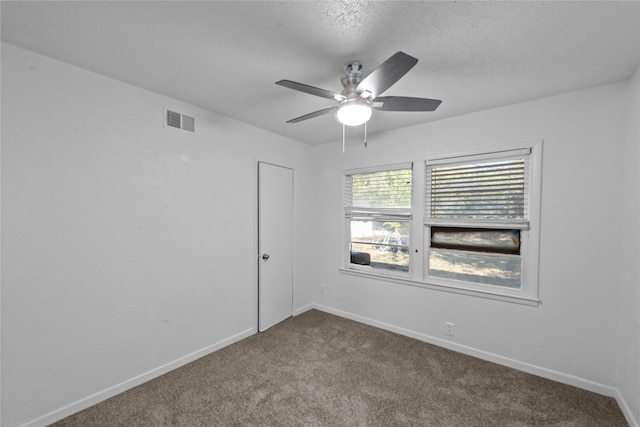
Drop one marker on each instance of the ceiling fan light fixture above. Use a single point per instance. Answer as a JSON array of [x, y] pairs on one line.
[[353, 113]]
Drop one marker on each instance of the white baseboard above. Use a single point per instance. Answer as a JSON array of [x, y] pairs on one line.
[[304, 308], [89, 401], [105, 394], [495, 358], [626, 410]]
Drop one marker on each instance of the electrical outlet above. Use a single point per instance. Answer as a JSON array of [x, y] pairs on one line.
[[451, 329], [322, 289]]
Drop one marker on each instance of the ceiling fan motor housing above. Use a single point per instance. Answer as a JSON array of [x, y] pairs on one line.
[[351, 78]]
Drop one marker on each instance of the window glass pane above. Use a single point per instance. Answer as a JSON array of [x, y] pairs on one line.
[[386, 243], [476, 239], [500, 270]]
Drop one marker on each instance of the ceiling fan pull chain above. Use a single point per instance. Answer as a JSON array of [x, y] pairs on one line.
[[343, 127], [365, 134]]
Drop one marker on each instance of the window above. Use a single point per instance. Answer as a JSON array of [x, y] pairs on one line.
[[468, 224], [477, 220], [485, 256], [378, 215]]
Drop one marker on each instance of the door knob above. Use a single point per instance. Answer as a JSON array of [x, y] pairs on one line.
[[265, 256]]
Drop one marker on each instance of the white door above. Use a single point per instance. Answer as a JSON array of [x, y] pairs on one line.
[[275, 244]]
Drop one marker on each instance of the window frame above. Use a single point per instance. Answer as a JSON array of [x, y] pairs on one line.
[[368, 269], [529, 227], [527, 294]]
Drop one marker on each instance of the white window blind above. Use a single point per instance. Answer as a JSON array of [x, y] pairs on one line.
[[478, 191], [381, 195]]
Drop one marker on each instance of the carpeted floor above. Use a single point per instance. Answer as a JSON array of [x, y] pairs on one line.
[[321, 370]]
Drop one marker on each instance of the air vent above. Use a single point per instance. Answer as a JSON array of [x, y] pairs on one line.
[[180, 121]]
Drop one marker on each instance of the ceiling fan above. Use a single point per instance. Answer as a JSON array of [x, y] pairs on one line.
[[361, 95]]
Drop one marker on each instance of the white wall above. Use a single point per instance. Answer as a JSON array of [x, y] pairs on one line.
[[628, 362], [571, 336], [128, 248]]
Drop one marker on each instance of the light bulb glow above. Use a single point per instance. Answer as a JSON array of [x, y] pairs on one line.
[[354, 113]]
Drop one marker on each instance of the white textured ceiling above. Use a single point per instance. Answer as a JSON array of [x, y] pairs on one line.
[[226, 56]]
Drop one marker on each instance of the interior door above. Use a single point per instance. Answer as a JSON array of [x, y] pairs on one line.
[[275, 244]]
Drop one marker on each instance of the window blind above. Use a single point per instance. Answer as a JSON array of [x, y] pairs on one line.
[[485, 191], [383, 194]]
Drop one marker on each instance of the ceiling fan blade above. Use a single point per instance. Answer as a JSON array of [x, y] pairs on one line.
[[389, 72], [405, 103], [312, 115], [311, 90]]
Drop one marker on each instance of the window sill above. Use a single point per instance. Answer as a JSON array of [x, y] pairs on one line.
[[498, 296]]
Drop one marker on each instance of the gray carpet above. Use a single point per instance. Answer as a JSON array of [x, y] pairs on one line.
[[321, 370]]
